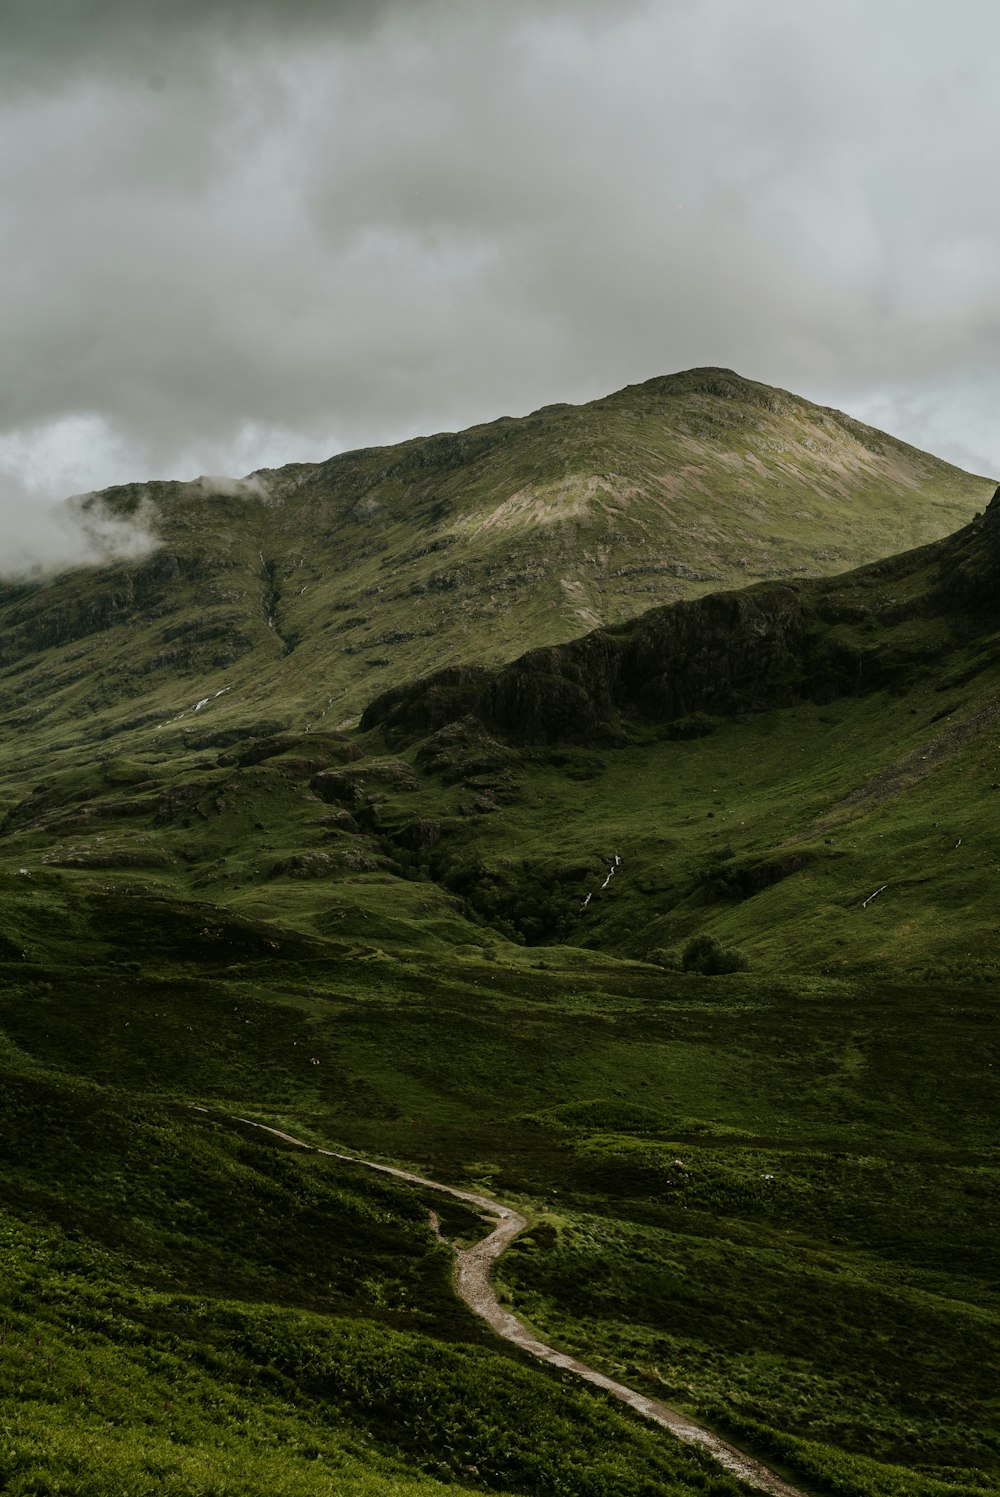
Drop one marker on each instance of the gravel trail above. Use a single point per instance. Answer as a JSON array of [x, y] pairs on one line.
[[472, 1281]]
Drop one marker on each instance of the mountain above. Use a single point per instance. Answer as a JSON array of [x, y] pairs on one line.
[[677, 931], [299, 594], [491, 794]]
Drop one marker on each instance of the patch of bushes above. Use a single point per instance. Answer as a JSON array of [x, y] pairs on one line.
[[708, 956]]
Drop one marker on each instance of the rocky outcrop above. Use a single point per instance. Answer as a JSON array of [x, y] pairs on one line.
[[317, 749], [969, 568], [729, 653], [724, 654], [351, 787], [424, 706]]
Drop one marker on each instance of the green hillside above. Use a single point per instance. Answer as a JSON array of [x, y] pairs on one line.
[[480, 934], [300, 594], [763, 761]]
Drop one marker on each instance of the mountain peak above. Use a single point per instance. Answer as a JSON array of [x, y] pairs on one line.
[[711, 381]]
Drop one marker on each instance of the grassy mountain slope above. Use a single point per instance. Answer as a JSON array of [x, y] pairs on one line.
[[762, 761], [836, 734], [301, 593], [188, 1313], [770, 1197]]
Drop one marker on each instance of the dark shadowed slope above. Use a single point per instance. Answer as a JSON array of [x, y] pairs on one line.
[[769, 646]]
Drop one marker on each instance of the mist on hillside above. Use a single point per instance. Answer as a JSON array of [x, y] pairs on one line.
[[41, 536], [212, 485]]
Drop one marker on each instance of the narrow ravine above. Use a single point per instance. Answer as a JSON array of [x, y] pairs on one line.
[[472, 1281]]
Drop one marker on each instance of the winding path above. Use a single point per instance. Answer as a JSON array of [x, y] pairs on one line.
[[472, 1280]]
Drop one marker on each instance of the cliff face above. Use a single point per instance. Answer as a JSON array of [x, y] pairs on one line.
[[724, 654], [728, 653], [969, 570]]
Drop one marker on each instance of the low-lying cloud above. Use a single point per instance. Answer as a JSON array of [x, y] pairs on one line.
[[41, 537], [211, 484]]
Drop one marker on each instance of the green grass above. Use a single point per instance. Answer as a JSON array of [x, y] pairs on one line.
[[769, 1197], [381, 565], [840, 1318], [189, 1308]]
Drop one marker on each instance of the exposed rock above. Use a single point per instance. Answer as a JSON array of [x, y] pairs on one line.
[[339, 821], [427, 705], [719, 656], [201, 798], [319, 748], [418, 835], [350, 787], [334, 785], [461, 750], [726, 653]]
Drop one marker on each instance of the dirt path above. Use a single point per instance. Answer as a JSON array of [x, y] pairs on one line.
[[472, 1280]]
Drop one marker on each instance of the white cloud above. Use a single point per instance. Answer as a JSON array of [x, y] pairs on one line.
[[38, 537]]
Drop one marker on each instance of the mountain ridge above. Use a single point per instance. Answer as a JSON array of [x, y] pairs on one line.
[[729, 652], [319, 585]]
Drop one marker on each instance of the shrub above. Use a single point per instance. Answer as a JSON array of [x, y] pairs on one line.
[[707, 955]]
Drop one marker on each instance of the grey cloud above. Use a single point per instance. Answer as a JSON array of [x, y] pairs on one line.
[[341, 224], [43, 43], [40, 42]]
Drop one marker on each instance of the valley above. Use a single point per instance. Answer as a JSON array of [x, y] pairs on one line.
[[446, 807]]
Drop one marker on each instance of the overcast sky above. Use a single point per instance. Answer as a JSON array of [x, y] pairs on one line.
[[238, 234]]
